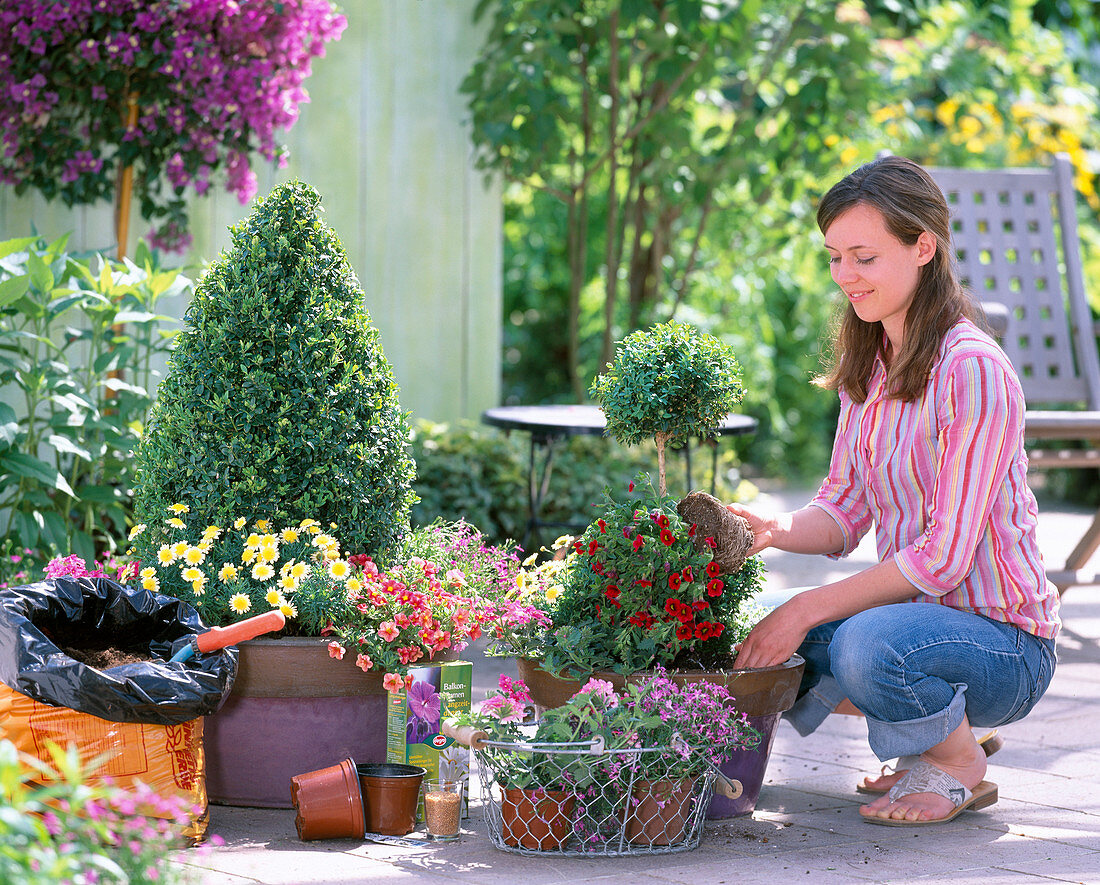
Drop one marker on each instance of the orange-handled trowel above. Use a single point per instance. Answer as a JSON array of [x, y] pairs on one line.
[[220, 637]]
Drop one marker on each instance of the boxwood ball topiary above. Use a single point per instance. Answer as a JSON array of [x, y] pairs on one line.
[[279, 402]]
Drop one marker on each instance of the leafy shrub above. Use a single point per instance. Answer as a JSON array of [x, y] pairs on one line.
[[279, 403], [466, 470], [79, 343]]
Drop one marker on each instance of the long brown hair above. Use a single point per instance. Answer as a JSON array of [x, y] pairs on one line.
[[910, 202]]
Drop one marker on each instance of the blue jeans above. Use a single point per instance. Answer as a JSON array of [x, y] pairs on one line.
[[914, 669]]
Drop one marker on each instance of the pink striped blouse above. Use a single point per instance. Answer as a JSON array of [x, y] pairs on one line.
[[944, 481]]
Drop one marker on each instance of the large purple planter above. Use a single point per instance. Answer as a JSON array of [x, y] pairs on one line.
[[293, 709], [746, 766]]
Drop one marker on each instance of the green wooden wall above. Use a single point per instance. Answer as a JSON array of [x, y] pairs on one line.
[[383, 140]]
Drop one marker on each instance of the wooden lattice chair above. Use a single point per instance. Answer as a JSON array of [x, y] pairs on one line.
[[1015, 232]]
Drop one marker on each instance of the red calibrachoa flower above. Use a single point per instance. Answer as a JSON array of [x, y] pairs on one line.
[[687, 574], [715, 587], [662, 520], [684, 631], [639, 543], [602, 523], [611, 592], [674, 581], [710, 543], [593, 546], [713, 569], [667, 538]]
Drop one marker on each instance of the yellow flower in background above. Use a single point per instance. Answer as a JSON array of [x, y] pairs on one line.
[[288, 583], [262, 524], [269, 553], [150, 584], [211, 533], [530, 560], [135, 531], [227, 573], [561, 541], [238, 523], [338, 568], [521, 581], [252, 540], [198, 587], [325, 541], [165, 556], [269, 540], [298, 570], [289, 536], [179, 508], [240, 603], [261, 571], [149, 572], [354, 585], [177, 523], [274, 598], [552, 593], [194, 555], [192, 574], [248, 555], [288, 610]]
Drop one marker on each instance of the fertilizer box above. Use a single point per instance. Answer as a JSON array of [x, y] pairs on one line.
[[413, 722]]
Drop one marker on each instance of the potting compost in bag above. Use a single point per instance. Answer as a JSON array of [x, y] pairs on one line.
[[146, 715]]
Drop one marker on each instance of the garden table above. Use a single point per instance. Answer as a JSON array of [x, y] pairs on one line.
[[549, 424]]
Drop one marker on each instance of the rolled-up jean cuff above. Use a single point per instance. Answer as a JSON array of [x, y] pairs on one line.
[[913, 736], [810, 710]]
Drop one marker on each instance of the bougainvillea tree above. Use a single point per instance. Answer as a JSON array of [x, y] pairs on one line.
[[169, 92]]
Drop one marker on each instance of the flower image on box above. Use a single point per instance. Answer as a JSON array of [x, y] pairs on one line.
[[425, 704]]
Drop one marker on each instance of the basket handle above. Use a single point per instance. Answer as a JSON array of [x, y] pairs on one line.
[[469, 735], [729, 787]]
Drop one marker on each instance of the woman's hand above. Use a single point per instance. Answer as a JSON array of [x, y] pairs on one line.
[[763, 527], [774, 639]]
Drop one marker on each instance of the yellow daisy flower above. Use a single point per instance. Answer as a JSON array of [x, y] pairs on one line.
[[252, 540], [274, 598], [149, 572], [240, 603], [530, 560], [552, 593], [307, 523], [298, 570], [268, 540], [324, 541], [288, 610], [179, 508], [288, 583], [198, 587], [177, 523], [354, 585], [239, 523], [192, 574], [211, 533], [227, 573], [178, 549], [269, 554], [135, 531], [165, 556], [248, 555], [261, 571], [289, 535], [151, 584], [194, 555], [338, 568], [262, 524]]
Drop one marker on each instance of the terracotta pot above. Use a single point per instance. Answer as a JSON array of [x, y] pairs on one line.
[[536, 818], [547, 691], [328, 803], [391, 791], [659, 812], [293, 708], [763, 694]]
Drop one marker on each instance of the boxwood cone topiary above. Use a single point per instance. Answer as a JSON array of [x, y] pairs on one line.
[[279, 402], [669, 382]]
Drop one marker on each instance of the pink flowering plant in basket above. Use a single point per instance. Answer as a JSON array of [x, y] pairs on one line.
[[180, 92]]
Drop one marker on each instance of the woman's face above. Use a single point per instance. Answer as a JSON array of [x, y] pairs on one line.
[[876, 270]]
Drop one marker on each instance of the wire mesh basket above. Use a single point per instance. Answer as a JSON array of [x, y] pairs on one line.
[[595, 801]]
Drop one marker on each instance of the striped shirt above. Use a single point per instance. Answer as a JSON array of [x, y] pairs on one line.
[[943, 478]]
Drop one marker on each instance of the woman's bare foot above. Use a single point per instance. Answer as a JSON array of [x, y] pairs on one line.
[[990, 742], [960, 756]]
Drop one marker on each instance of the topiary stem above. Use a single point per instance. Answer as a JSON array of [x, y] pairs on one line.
[[661, 438]]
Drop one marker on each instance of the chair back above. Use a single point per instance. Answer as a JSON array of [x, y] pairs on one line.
[[1015, 237]]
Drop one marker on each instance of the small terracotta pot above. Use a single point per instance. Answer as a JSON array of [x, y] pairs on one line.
[[328, 803], [538, 819], [659, 812], [391, 792]]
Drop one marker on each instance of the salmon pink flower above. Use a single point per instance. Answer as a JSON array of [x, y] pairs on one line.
[[336, 650]]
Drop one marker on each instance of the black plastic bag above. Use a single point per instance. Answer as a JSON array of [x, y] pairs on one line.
[[37, 620]]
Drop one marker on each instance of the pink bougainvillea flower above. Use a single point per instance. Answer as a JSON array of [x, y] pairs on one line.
[[336, 650]]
